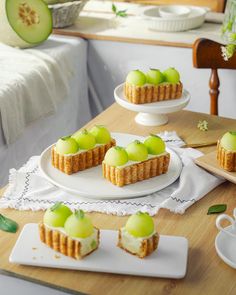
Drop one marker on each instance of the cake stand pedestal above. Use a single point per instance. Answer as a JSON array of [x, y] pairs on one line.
[[152, 114], [151, 119]]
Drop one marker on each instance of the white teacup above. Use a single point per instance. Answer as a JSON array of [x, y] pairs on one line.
[[221, 217]]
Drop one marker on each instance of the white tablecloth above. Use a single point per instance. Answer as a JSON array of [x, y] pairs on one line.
[[71, 114]]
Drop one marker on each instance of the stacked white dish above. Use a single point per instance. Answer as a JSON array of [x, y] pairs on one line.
[[174, 18]]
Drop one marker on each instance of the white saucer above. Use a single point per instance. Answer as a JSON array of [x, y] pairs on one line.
[[225, 247], [152, 114]]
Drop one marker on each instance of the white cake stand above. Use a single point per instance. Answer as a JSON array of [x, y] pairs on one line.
[[152, 114]]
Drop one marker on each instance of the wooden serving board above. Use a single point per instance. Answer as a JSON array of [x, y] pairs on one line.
[[209, 162]]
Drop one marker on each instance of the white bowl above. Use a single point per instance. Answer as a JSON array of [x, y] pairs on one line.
[[174, 11]]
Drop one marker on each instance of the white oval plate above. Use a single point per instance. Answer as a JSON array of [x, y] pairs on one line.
[[225, 247], [159, 107], [90, 182]]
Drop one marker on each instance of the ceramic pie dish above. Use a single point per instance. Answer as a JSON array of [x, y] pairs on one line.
[[195, 19]]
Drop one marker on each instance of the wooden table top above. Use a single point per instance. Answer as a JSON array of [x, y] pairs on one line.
[[206, 273], [96, 22]]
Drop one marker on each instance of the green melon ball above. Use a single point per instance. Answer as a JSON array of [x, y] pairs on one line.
[[137, 151], [24, 23], [101, 134], [171, 75], [85, 139], [78, 225], [67, 145], [136, 77], [154, 76], [140, 225], [155, 145], [116, 156], [57, 215], [228, 141]]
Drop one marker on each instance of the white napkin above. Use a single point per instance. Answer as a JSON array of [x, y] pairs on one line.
[[29, 190], [32, 84]]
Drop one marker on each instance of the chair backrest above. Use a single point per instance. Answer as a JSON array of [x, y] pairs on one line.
[[207, 54]]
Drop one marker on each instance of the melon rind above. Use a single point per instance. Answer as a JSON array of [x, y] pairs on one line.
[[7, 34]]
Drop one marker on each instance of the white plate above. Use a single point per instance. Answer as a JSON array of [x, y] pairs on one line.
[[169, 261], [90, 182], [225, 247]]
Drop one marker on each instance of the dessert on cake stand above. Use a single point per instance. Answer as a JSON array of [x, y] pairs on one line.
[[152, 114]]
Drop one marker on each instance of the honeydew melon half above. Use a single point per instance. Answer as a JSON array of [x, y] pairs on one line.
[[24, 23]]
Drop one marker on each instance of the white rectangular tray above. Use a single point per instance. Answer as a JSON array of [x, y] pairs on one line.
[[169, 261]]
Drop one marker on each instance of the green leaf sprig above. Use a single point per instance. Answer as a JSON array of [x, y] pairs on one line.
[[121, 13], [215, 209], [7, 224], [55, 206]]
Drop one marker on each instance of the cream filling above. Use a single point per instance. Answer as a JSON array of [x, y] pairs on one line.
[[160, 84], [131, 243], [87, 244], [129, 163]]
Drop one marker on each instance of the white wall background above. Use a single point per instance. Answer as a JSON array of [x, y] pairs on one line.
[[109, 62]]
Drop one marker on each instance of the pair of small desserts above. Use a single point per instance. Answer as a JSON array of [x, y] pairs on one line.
[[86, 149], [137, 162], [82, 150], [74, 235], [71, 234], [152, 87], [226, 151]]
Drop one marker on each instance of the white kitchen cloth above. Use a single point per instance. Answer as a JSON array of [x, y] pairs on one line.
[[32, 84], [29, 190]]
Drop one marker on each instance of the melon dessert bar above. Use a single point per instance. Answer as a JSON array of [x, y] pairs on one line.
[[138, 236], [226, 151], [152, 87], [137, 162], [82, 150], [71, 234]]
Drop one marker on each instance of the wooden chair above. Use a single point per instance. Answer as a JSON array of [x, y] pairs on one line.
[[207, 55]]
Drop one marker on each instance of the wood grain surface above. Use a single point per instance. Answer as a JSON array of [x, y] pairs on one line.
[[74, 32], [206, 274], [209, 162]]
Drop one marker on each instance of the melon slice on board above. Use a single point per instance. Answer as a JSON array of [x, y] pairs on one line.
[[24, 23]]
